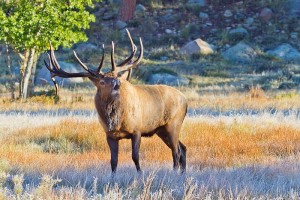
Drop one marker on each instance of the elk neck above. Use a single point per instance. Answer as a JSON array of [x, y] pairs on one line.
[[109, 110]]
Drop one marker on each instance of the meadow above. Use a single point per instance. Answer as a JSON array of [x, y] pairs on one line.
[[240, 145]]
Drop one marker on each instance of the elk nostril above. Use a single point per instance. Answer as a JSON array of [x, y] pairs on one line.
[[116, 84]]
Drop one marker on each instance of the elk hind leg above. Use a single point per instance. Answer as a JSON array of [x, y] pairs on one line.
[[170, 141], [182, 159]]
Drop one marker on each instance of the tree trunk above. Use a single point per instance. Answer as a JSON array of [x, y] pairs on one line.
[[127, 8], [27, 74], [32, 75], [11, 84], [24, 60]]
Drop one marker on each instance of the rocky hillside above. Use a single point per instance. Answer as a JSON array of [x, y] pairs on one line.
[[264, 23], [256, 41]]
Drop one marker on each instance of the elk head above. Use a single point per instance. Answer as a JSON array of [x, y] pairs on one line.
[[108, 83]]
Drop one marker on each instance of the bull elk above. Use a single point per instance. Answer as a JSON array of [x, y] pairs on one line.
[[132, 111]]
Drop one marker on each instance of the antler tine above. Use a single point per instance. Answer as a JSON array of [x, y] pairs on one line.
[[113, 64], [49, 67], [53, 58], [53, 70], [129, 58], [101, 62], [134, 48], [129, 74], [83, 65], [135, 63]]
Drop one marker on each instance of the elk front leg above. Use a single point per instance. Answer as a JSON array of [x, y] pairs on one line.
[[114, 150], [136, 142]]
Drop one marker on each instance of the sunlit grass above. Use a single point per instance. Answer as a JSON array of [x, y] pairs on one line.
[[218, 145], [227, 156]]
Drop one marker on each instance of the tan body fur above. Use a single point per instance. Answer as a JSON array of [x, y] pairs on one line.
[[145, 108]]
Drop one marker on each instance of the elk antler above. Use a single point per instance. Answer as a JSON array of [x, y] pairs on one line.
[[114, 66], [101, 62], [127, 64], [56, 70]]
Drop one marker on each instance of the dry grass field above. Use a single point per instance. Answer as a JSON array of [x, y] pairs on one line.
[[59, 151]]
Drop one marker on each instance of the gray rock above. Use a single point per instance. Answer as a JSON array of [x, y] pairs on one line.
[[168, 17], [203, 15], [227, 13], [140, 8], [108, 16], [43, 75], [238, 34], [240, 53], [286, 52], [294, 35], [168, 31], [239, 16], [196, 3], [120, 24], [170, 11], [249, 21], [164, 58], [167, 79], [266, 14], [197, 46]]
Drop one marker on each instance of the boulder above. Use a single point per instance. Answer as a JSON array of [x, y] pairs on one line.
[[197, 46], [169, 17], [108, 16], [238, 34], [203, 15], [240, 53], [167, 79], [228, 13], [140, 8], [168, 31], [43, 75], [249, 21], [266, 14], [120, 24], [286, 52]]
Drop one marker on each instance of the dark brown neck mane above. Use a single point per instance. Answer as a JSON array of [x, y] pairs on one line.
[[110, 111]]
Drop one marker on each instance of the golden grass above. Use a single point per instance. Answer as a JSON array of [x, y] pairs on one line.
[[83, 144], [69, 99], [254, 99]]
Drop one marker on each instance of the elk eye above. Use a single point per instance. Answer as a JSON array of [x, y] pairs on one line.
[[102, 83]]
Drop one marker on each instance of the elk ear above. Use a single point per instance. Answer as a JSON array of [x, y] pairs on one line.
[[126, 75]]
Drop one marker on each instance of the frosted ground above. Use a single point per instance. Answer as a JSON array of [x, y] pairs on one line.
[[157, 180]]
